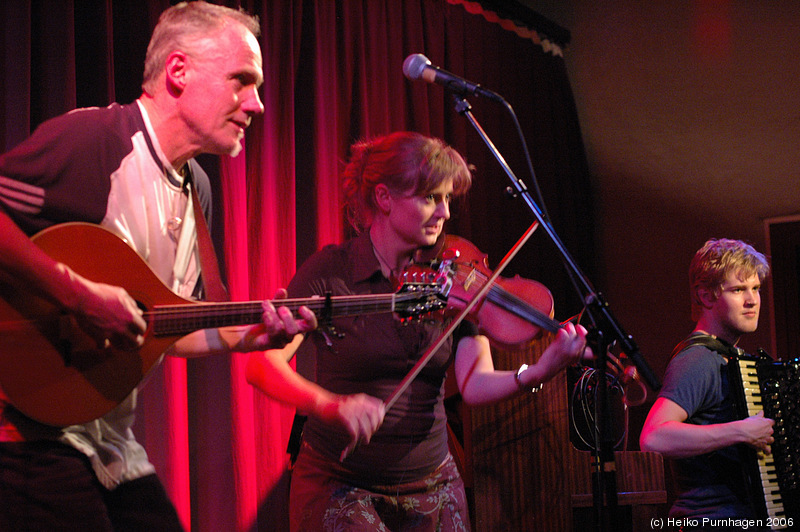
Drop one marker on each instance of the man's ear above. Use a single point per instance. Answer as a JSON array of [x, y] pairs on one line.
[[706, 297], [176, 68], [383, 198]]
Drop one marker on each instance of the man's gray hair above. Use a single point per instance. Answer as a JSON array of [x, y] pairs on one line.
[[179, 25]]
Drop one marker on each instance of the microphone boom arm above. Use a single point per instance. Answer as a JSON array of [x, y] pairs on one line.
[[605, 329], [597, 308]]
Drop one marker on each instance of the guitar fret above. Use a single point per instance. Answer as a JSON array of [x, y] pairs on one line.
[[182, 319], [170, 320]]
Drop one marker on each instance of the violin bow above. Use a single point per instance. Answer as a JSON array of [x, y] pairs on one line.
[[412, 374]]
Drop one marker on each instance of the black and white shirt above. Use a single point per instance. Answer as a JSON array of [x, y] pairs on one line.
[[105, 166]]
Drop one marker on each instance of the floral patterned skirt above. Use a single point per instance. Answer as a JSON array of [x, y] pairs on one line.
[[319, 500]]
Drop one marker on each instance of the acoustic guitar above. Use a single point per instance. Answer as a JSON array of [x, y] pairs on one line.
[[55, 373]]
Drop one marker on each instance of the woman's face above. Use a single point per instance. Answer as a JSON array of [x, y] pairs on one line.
[[418, 220]]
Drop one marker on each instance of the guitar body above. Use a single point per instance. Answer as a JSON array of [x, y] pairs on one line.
[[49, 368], [55, 373]]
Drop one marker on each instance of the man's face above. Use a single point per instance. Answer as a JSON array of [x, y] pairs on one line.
[[736, 309], [221, 94]]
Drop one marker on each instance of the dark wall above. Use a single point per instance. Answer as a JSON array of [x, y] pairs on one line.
[[689, 113]]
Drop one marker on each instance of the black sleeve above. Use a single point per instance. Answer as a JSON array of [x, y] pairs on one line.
[[62, 172]]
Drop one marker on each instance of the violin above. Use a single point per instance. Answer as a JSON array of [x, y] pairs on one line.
[[513, 312]]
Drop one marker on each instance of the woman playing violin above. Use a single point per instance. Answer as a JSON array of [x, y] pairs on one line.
[[363, 466]]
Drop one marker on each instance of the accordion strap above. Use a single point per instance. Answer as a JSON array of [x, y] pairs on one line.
[[710, 341]]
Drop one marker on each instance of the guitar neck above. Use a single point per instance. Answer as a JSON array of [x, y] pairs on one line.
[[179, 320]]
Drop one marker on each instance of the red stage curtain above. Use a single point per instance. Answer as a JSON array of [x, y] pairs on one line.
[[333, 74]]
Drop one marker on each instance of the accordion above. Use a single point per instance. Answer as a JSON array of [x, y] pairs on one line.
[[761, 383]]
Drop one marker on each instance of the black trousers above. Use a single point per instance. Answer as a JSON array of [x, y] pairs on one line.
[[51, 486]]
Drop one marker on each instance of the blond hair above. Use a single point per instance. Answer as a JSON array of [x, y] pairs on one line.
[[715, 260]]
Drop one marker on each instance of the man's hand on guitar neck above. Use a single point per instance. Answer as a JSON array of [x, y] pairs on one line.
[[278, 327], [108, 314]]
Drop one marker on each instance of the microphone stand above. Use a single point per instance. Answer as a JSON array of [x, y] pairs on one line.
[[604, 331]]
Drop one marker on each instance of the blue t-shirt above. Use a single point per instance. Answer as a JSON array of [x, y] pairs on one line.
[[713, 484]]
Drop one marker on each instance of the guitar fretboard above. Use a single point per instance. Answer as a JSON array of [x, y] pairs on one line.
[[171, 320]]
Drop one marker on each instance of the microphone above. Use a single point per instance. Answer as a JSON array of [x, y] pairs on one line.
[[417, 66]]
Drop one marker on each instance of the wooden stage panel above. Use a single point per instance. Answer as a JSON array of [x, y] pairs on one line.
[[526, 474]]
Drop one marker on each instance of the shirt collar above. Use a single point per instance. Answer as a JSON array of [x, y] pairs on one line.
[[170, 173], [365, 264]]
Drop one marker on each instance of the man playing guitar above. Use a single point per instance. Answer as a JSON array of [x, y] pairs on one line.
[[127, 168]]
